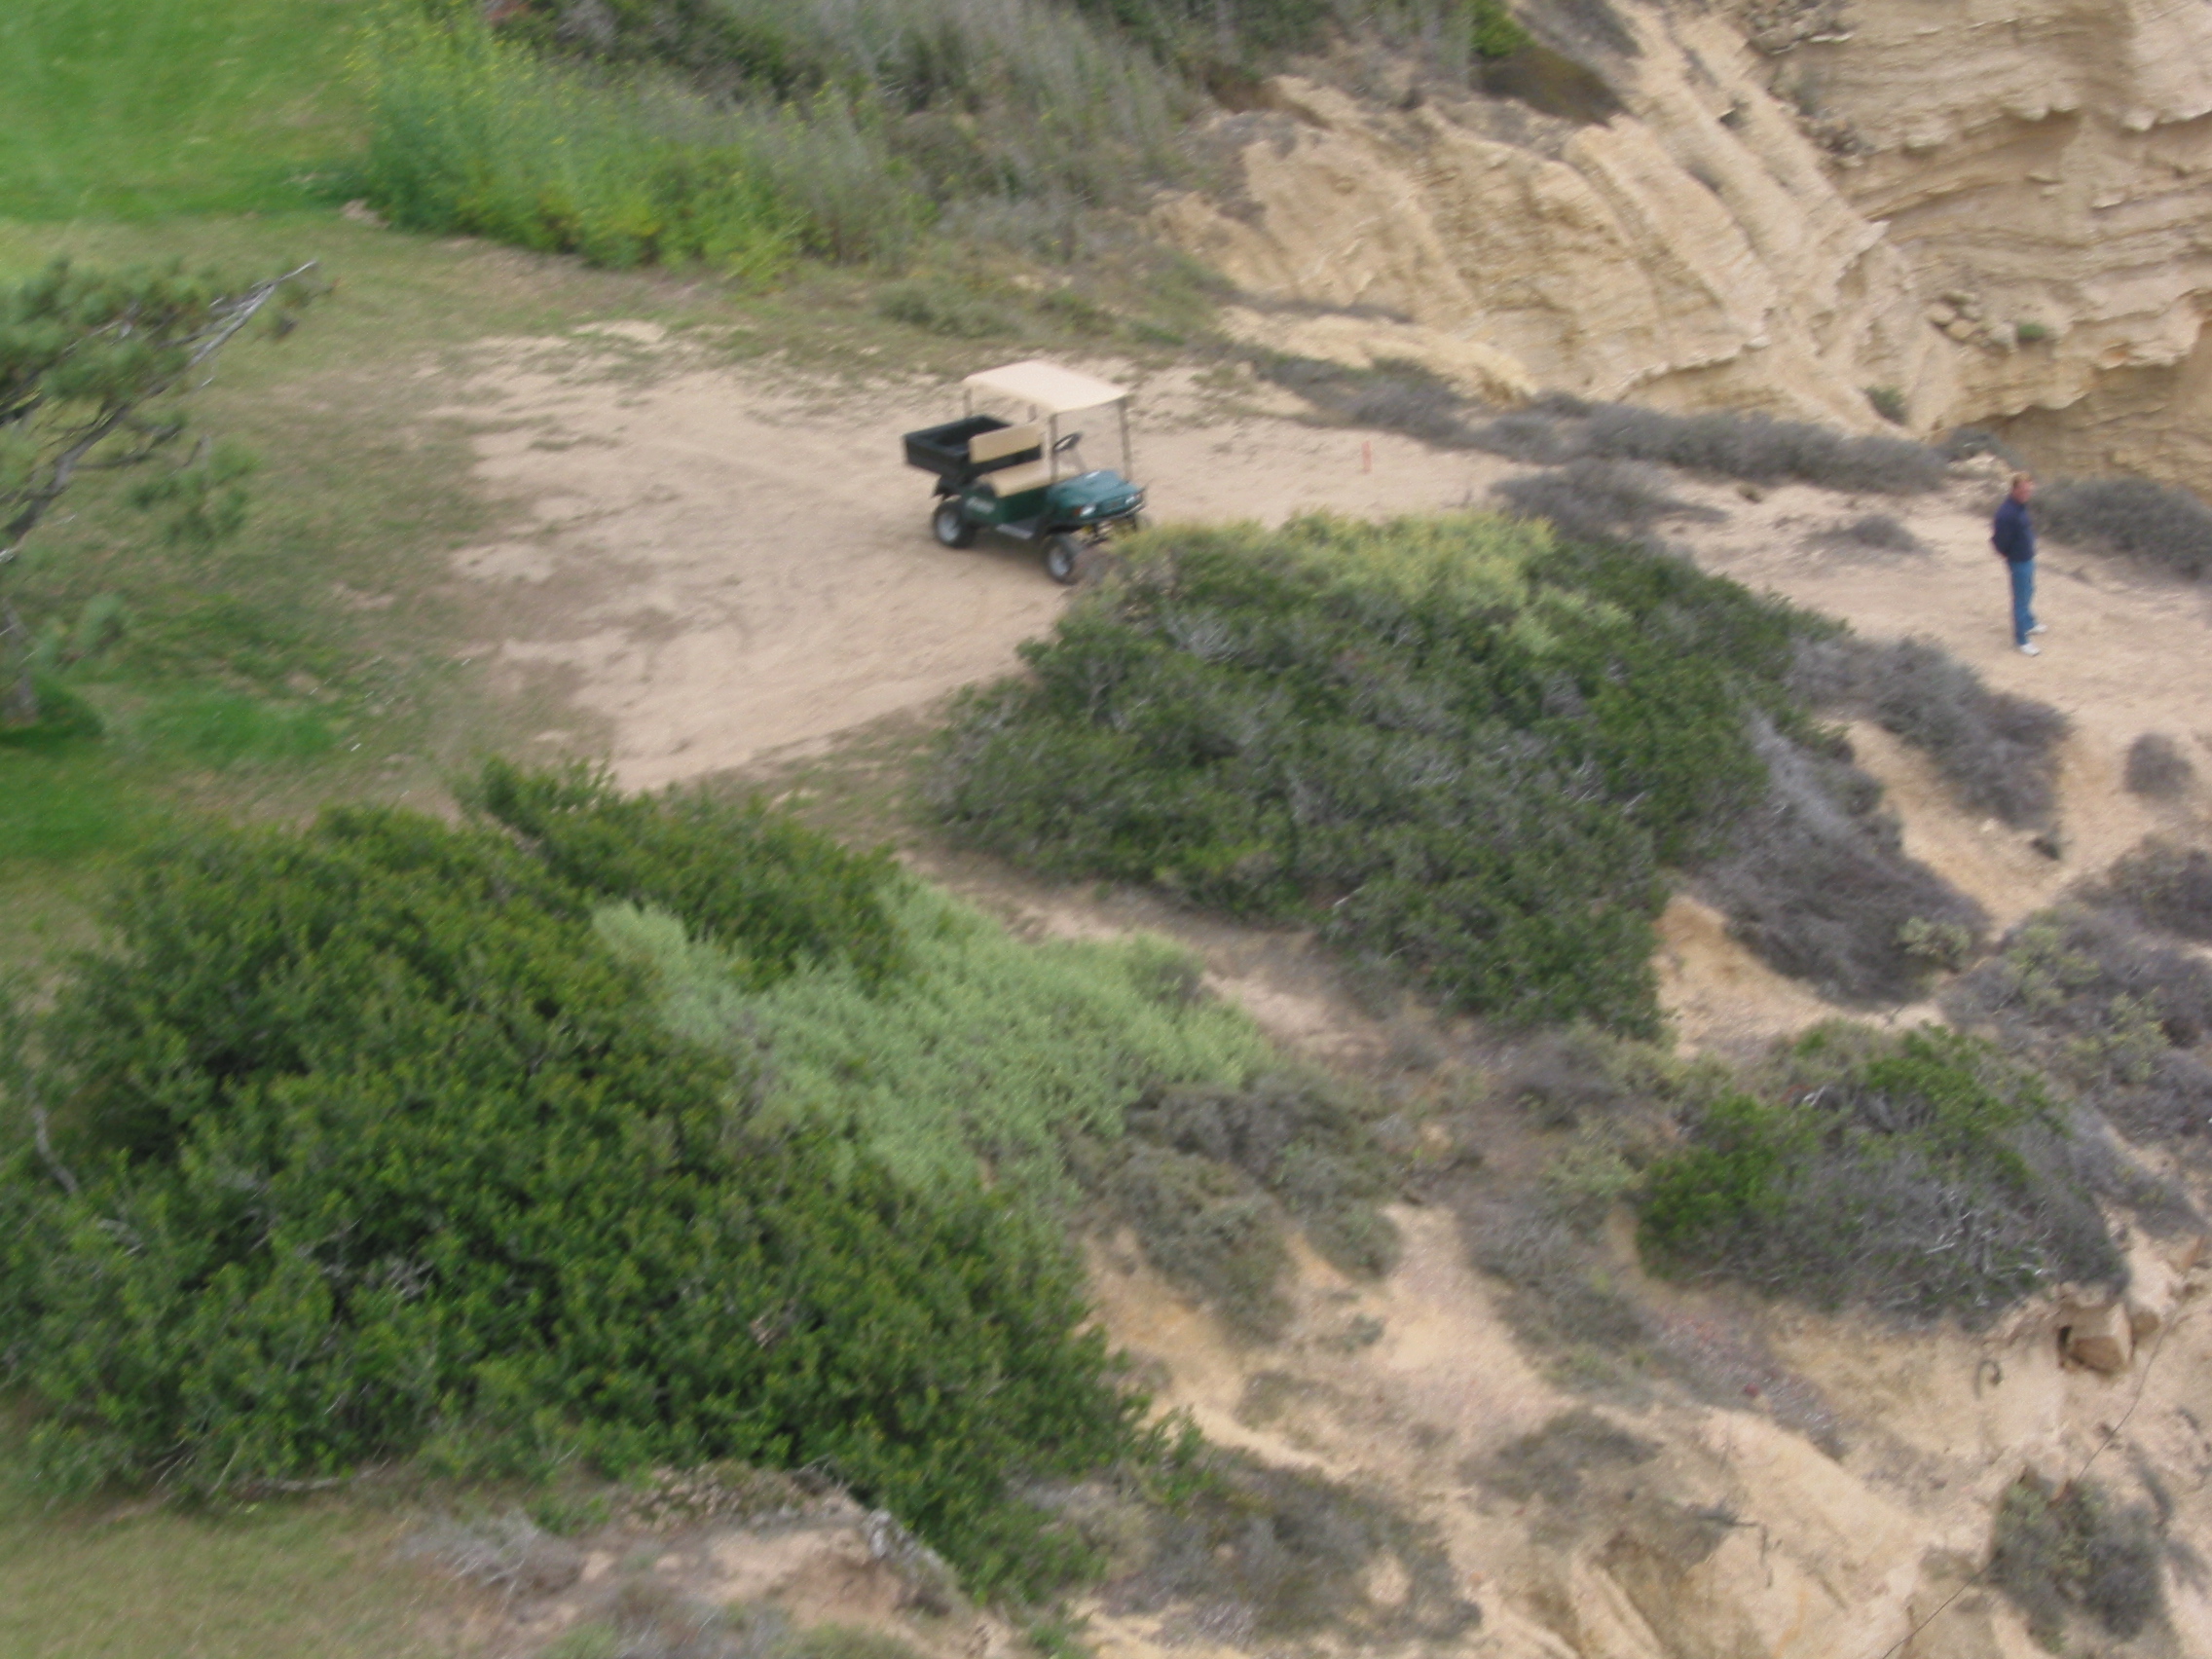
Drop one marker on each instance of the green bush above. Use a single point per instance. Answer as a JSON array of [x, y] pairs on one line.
[[1454, 743], [795, 900], [1493, 30], [363, 1144], [1919, 1174]]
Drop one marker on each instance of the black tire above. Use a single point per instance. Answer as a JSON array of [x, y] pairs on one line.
[[1063, 559], [950, 524]]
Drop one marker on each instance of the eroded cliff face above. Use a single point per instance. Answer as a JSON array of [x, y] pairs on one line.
[[2052, 158], [2000, 208]]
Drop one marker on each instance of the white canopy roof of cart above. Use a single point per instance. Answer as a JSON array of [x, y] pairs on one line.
[[1047, 387]]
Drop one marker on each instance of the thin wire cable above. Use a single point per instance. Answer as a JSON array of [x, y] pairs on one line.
[[2111, 1435]]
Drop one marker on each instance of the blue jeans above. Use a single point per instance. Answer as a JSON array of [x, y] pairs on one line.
[[2023, 598]]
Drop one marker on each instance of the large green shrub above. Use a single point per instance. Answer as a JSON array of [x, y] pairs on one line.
[[1452, 743], [1920, 1174], [362, 1141]]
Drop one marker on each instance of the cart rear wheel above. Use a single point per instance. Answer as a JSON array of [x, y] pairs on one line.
[[1062, 553], [952, 524]]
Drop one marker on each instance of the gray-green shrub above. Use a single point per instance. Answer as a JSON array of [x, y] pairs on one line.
[[1763, 449], [2165, 885], [2158, 522], [1998, 751], [1454, 743], [1918, 1174], [2157, 768], [1818, 884], [2113, 1014], [2057, 1551]]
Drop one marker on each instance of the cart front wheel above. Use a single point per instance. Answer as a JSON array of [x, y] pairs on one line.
[[1063, 555], [952, 524]]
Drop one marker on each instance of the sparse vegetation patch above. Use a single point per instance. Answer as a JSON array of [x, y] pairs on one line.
[[1881, 533], [2113, 1014], [2062, 1553], [2157, 768], [2158, 522], [1998, 751], [1259, 1552]]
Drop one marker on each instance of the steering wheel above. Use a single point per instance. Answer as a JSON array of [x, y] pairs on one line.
[[1065, 443]]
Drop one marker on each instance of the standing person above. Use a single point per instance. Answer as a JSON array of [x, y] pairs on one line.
[[2014, 537]]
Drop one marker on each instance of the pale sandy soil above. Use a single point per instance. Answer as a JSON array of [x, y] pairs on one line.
[[719, 571]]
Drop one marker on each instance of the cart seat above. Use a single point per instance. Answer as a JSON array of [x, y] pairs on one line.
[[1011, 481], [1004, 441]]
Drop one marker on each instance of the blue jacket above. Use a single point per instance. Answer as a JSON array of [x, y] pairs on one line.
[[2014, 533]]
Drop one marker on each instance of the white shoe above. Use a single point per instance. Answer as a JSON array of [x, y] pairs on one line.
[[2039, 627], [2031, 650]]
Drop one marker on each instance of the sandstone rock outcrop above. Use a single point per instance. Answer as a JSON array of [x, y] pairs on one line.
[[1997, 209]]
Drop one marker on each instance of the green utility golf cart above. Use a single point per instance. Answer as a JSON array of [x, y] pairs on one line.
[[1025, 478]]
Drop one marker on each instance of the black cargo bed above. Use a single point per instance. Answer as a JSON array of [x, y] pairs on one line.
[[943, 450]]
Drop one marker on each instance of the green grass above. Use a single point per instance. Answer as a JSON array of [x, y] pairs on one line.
[[265, 1581], [140, 108]]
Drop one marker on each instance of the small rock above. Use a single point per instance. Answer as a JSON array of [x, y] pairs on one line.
[[362, 213], [2051, 844], [2103, 1339], [1750, 492]]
